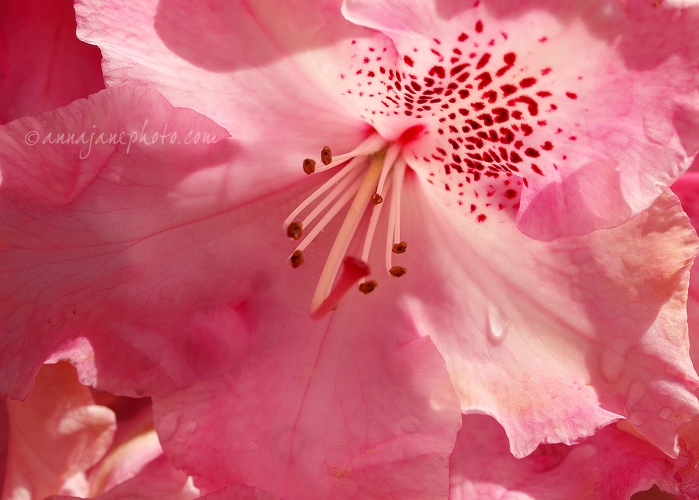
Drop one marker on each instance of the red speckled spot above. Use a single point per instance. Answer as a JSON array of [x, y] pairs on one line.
[[482, 107]]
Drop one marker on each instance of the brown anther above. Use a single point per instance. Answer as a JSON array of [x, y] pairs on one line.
[[326, 156], [376, 199], [400, 247], [296, 259], [368, 286], [309, 166], [397, 271], [294, 231]]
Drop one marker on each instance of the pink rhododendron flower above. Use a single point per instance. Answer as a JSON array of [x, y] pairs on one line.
[[611, 464], [156, 264], [42, 63]]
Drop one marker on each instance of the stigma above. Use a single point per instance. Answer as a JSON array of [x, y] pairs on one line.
[[366, 179]]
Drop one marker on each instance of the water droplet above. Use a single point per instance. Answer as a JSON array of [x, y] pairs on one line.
[[665, 413], [409, 424], [496, 324], [191, 427], [167, 426], [612, 366]]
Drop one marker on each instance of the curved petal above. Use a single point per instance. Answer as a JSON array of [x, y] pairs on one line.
[[354, 406], [687, 190], [558, 339], [257, 68], [42, 63], [594, 107], [55, 436], [610, 464], [81, 223]]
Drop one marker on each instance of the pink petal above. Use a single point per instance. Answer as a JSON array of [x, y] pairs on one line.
[[608, 102], [610, 464], [82, 229], [239, 492], [255, 68], [687, 189], [349, 407], [558, 339], [55, 436], [42, 63]]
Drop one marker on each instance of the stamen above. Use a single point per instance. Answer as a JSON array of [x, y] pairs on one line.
[[352, 271], [369, 146], [368, 286], [397, 271], [391, 156], [349, 226], [398, 177], [393, 234], [309, 166], [296, 259], [295, 230], [371, 229], [326, 155], [351, 167], [331, 196], [330, 215], [376, 199]]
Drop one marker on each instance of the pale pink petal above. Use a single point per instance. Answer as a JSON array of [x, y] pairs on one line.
[[82, 227], [43, 65], [354, 406], [558, 339], [55, 436], [594, 107], [256, 68], [611, 464]]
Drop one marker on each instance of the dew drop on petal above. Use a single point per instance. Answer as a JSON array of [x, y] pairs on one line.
[[496, 324]]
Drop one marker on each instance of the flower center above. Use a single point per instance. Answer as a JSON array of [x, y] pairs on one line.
[[368, 178]]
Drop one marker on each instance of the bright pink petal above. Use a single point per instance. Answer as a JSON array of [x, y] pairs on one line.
[[558, 339], [610, 464], [42, 63], [354, 406], [55, 436], [82, 245], [593, 107]]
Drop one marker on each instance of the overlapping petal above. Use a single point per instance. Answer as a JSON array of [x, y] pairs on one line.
[[358, 405], [42, 63], [602, 100], [54, 436], [558, 339], [257, 69], [141, 268], [610, 464], [83, 267]]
